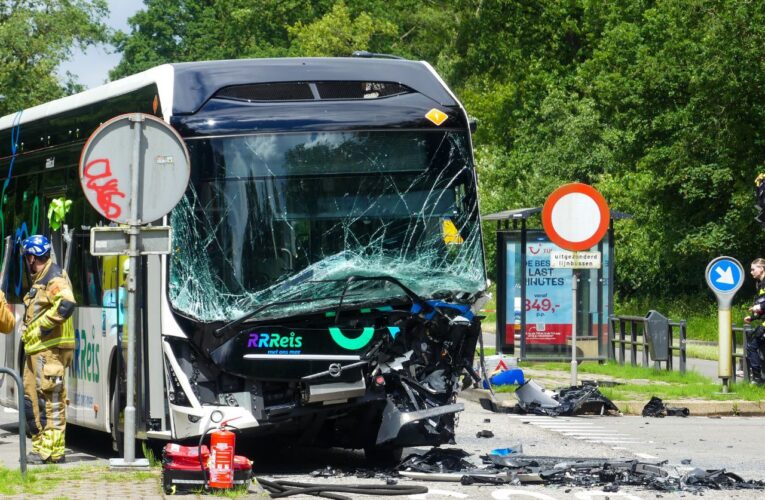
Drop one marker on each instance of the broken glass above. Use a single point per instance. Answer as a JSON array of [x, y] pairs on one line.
[[271, 218]]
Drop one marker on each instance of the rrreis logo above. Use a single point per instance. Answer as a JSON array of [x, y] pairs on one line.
[[274, 341]]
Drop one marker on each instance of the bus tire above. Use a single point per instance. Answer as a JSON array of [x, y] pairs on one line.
[[115, 410]]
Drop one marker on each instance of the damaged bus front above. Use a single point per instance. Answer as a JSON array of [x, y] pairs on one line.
[[328, 265]]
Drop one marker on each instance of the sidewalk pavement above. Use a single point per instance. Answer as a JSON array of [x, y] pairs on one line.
[[86, 474], [551, 379]]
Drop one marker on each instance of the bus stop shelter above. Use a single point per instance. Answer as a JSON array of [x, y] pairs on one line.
[[534, 302]]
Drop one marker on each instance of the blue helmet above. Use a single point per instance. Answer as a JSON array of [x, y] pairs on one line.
[[37, 245]]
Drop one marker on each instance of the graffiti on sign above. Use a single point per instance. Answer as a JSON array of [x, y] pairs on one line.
[[98, 174]]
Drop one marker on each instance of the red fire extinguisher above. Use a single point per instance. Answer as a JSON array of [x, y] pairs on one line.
[[221, 468]]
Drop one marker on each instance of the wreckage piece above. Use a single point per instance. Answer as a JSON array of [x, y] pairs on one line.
[[393, 419], [656, 408], [437, 460], [492, 406], [449, 465], [718, 480], [585, 399], [532, 393]]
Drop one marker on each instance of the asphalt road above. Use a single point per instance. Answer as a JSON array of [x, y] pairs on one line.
[[733, 443]]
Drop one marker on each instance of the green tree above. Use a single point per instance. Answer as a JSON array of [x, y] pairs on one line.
[[195, 30], [35, 37], [336, 34]]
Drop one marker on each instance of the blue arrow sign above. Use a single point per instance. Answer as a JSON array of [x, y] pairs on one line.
[[725, 275]]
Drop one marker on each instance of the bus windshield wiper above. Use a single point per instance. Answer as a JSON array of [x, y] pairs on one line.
[[241, 319], [353, 278]]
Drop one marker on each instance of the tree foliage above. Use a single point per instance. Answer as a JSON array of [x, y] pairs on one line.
[[658, 104], [35, 37]]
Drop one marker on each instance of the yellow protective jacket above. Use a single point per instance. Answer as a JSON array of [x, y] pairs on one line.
[[49, 308], [7, 320]]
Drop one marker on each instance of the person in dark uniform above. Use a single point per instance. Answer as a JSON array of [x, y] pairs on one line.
[[756, 338]]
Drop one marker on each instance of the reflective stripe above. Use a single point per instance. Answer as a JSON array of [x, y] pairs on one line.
[[65, 340]]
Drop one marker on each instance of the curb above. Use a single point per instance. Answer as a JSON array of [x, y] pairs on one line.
[[697, 408]]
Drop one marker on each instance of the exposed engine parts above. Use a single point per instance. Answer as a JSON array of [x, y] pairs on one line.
[[395, 367]]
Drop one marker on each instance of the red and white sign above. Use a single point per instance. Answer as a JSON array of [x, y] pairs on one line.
[[575, 216]]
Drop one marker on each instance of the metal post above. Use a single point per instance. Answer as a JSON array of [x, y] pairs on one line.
[[574, 279], [645, 344], [724, 345], [733, 348], [524, 275], [745, 359], [132, 312], [633, 343], [622, 329], [22, 419], [682, 346]]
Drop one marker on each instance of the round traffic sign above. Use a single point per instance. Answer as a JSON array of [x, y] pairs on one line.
[[724, 275], [575, 216], [107, 164]]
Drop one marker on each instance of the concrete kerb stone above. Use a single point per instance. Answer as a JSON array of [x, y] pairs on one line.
[[697, 408]]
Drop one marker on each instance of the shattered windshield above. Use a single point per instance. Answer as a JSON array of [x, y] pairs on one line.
[[289, 217]]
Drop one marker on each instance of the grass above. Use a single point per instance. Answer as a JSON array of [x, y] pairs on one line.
[[40, 480], [699, 312], [697, 351], [47, 478], [640, 383], [627, 372]]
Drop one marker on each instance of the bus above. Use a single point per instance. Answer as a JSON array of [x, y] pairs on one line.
[[327, 265]]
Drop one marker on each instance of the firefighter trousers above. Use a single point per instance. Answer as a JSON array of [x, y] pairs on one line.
[[45, 400]]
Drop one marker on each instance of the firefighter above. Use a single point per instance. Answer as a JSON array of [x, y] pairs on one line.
[[48, 337], [7, 320], [756, 338]]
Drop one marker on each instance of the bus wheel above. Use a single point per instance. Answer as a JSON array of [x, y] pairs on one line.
[[383, 455], [116, 415]]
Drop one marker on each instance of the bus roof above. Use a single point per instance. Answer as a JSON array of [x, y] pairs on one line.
[[184, 87]]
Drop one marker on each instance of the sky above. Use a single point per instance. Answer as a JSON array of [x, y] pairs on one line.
[[92, 67]]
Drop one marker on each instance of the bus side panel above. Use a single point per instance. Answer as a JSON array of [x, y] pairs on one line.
[[88, 381]]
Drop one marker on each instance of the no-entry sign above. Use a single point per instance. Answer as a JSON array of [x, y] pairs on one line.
[[575, 216]]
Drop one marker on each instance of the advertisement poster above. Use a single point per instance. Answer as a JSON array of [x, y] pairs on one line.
[[548, 296]]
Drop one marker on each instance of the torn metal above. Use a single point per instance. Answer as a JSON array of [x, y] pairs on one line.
[[585, 399], [451, 465]]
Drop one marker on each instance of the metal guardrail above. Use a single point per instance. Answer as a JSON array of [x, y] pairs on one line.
[[22, 419], [637, 325]]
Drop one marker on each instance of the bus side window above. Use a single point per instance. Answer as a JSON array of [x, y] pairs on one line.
[[85, 271], [113, 269]]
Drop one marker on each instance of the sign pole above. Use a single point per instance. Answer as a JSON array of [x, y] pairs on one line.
[[574, 279], [132, 190], [724, 276], [575, 217], [132, 312], [725, 370]]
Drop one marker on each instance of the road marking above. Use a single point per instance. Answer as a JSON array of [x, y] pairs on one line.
[[582, 430], [443, 493], [589, 495], [646, 456], [512, 494]]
